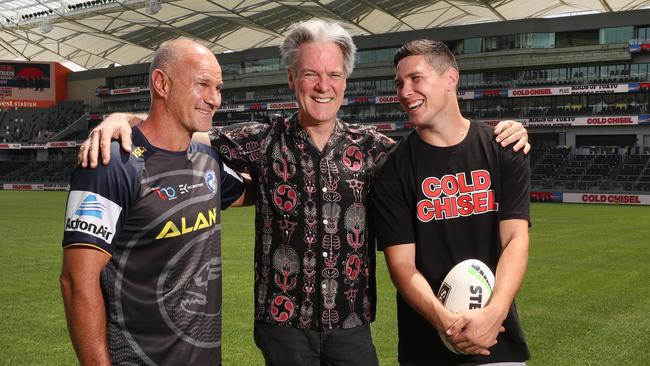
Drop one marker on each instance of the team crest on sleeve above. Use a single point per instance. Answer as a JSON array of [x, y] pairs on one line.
[[92, 214], [210, 179]]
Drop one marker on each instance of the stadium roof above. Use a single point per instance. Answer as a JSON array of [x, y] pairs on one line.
[[98, 33]]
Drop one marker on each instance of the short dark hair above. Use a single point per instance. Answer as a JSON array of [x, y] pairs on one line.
[[436, 53]]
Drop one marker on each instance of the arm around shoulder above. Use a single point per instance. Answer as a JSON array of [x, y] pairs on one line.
[[115, 126]]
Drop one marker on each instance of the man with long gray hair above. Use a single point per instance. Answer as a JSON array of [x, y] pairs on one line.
[[314, 257]]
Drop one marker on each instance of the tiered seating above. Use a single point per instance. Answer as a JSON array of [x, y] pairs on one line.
[[546, 167], [41, 171], [7, 167], [601, 169], [37, 124], [587, 171], [21, 125], [634, 174]]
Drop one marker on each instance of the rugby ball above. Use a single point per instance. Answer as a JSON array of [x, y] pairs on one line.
[[468, 286]]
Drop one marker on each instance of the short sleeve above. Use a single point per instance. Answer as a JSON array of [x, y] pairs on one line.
[[232, 186], [391, 212], [239, 145], [515, 179], [98, 202], [382, 144]]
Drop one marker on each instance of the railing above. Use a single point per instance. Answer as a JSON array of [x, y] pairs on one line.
[[80, 124]]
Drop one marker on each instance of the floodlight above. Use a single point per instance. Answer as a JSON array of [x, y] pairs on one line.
[[153, 7]]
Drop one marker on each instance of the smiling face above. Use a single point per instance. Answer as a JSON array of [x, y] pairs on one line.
[[424, 92], [318, 81], [195, 90]]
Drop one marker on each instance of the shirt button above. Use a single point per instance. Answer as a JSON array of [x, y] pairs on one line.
[[325, 221], [324, 189], [325, 254]]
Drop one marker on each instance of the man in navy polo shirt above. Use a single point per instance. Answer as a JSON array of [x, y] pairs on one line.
[[141, 277]]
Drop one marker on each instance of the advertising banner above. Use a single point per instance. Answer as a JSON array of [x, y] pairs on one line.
[[56, 187], [23, 187], [282, 105], [546, 196], [49, 145], [607, 198], [465, 94], [579, 121], [358, 100], [388, 126], [232, 108], [386, 99], [120, 91], [639, 45], [61, 144], [4, 146], [490, 93], [255, 107]]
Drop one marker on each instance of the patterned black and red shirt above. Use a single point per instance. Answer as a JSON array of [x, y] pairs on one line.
[[314, 264]]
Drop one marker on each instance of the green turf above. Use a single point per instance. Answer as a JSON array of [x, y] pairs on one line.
[[585, 300]]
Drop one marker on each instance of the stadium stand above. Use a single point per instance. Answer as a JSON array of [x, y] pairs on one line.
[[38, 124], [581, 87]]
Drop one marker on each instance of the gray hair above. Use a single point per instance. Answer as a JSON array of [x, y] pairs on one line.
[[317, 30], [166, 56]]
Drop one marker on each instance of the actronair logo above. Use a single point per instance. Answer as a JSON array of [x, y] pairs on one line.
[[91, 207], [92, 214]]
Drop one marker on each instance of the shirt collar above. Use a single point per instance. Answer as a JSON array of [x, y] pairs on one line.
[[292, 127]]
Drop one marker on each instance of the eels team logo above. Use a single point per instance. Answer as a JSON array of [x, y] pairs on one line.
[[210, 179]]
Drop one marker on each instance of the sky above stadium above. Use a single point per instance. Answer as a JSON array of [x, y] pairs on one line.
[[98, 33]]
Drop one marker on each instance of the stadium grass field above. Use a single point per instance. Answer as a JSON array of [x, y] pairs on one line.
[[585, 299]]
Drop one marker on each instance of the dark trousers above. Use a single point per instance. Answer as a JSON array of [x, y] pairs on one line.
[[287, 346]]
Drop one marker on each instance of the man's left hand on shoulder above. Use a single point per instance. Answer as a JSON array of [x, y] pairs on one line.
[[508, 132]]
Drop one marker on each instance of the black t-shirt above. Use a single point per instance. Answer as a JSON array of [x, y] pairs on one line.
[[449, 201], [157, 214]]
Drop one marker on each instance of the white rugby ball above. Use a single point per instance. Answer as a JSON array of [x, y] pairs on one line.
[[467, 286]]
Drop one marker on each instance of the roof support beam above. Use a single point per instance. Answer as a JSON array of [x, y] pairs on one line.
[[341, 16], [39, 43], [606, 6], [385, 11], [258, 26], [172, 28], [7, 46], [494, 11]]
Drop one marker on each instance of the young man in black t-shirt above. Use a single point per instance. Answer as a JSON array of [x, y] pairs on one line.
[[447, 193]]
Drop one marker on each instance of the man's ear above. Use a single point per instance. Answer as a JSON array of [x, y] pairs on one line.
[[292, 81], [452, 77], [160, 83]]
